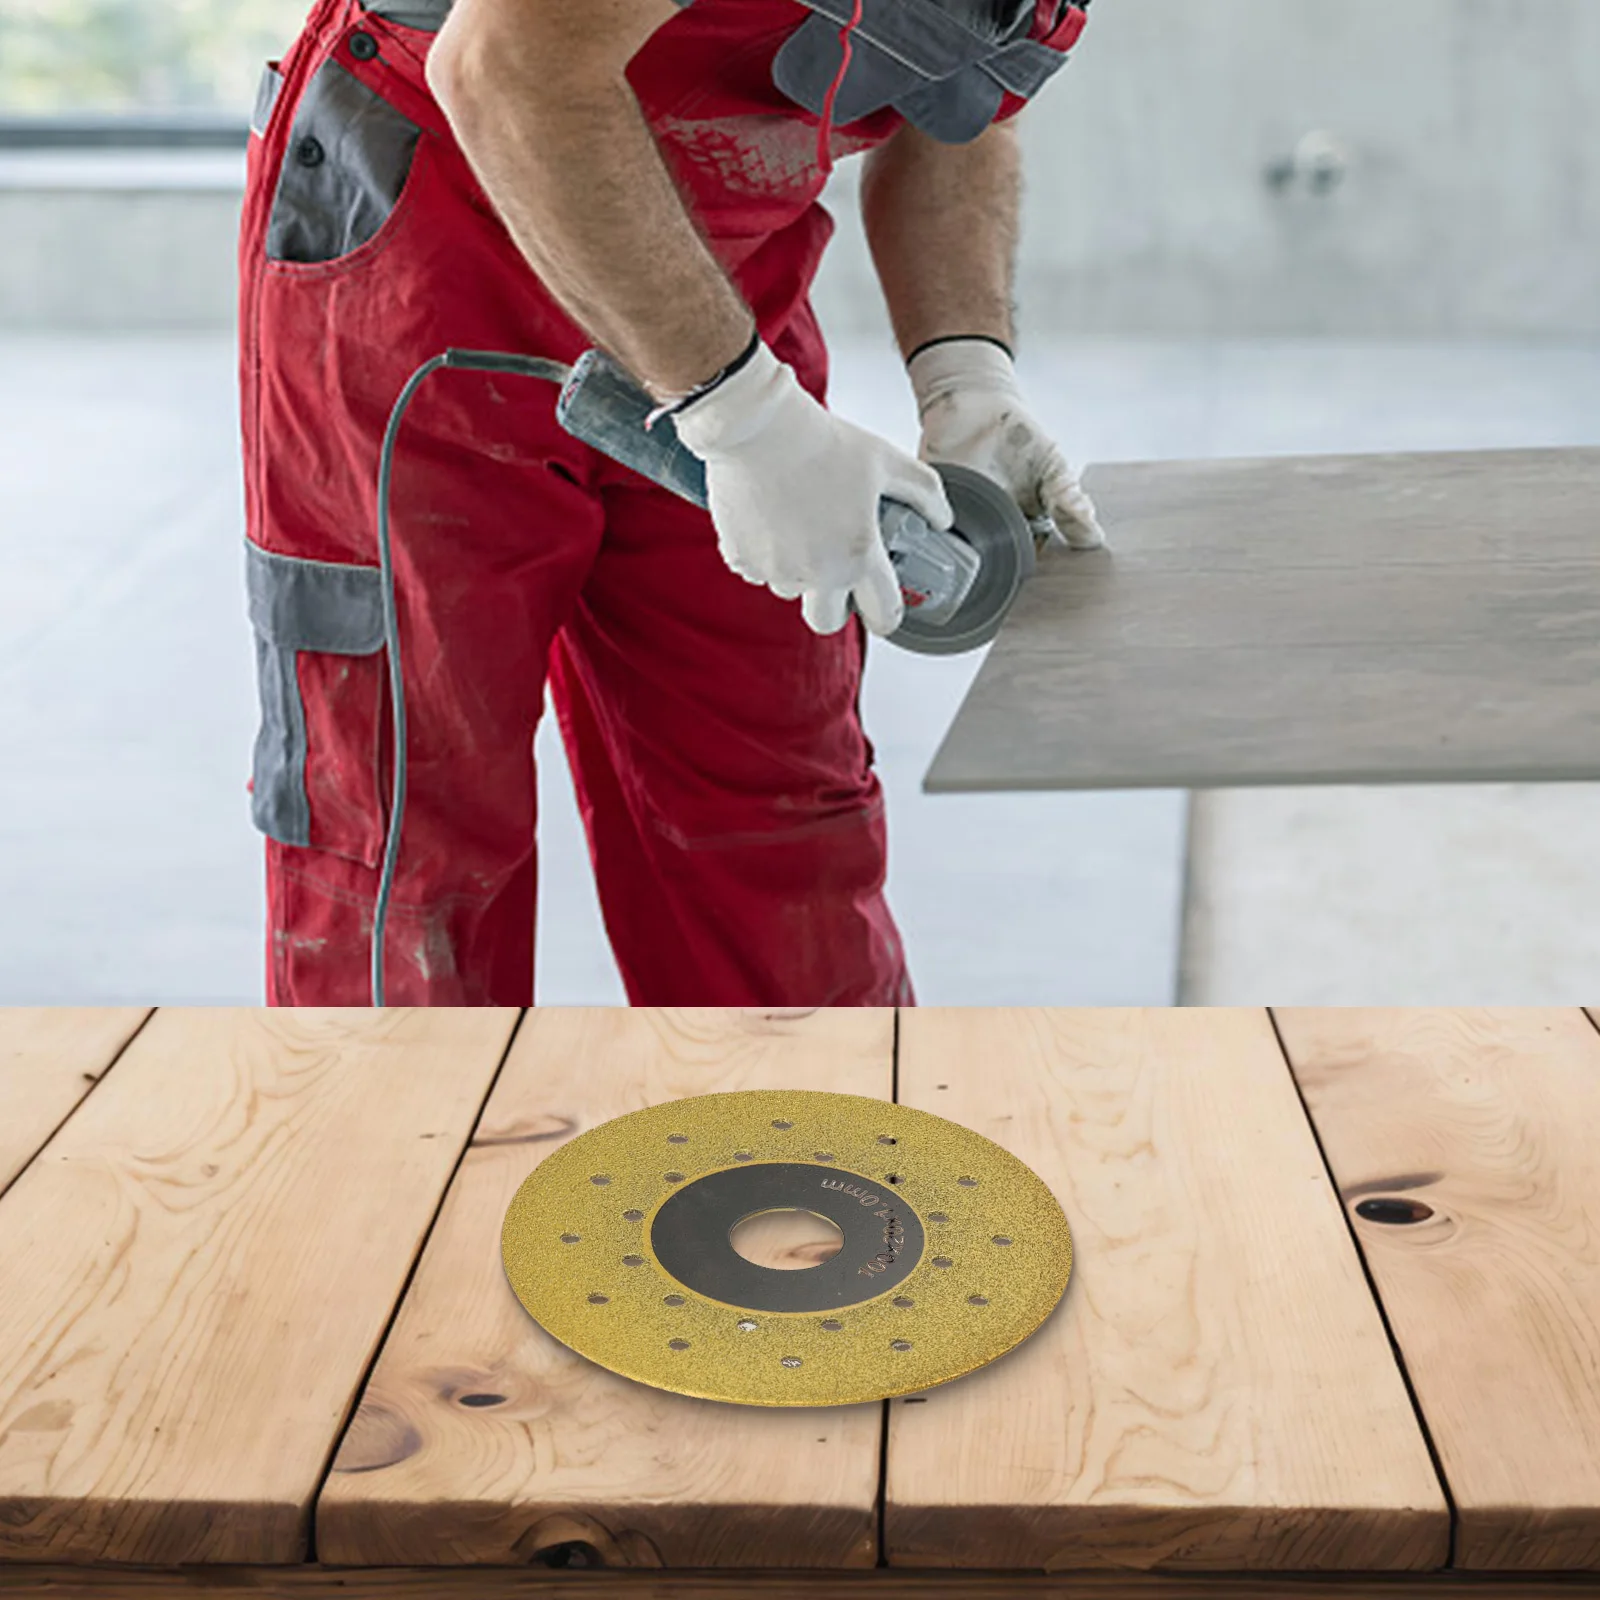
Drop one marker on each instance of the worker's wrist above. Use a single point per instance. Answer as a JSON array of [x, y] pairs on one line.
[[947, 365], [673, 402], [961, 338], [739, 406]]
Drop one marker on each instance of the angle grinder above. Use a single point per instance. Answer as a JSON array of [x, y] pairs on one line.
[[957, 585]]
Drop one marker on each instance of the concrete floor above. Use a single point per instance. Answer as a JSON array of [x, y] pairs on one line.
[[127, 861], [130, 873]]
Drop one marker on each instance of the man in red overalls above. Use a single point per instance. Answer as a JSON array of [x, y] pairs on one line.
[[540, 176]]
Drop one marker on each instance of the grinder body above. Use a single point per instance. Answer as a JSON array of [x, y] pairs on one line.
[[957, 585]]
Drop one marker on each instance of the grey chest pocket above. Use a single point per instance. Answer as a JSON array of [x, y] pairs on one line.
[[348, 157]]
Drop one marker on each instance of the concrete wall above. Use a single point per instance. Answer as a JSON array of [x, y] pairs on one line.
[[118, 241], [1173, 172], [1376, 167]]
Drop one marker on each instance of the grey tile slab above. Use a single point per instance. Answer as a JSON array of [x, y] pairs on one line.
[[1360, 619]]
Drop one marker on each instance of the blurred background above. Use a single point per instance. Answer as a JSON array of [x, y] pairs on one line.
[[1253, 227]]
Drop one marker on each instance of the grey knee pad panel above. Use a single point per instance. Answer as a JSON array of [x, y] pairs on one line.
[[298, 605]]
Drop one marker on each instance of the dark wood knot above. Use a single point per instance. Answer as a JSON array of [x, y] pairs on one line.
[[1392, 1210]]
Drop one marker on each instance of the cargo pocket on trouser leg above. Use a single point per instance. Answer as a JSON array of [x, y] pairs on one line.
[[321, 676]]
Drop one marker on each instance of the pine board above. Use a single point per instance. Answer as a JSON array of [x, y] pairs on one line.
[[1490, 1122], [1216, 1390], [199, 1268], [314, 1582], [571, 1453], [1313, 619], [49, 1060]]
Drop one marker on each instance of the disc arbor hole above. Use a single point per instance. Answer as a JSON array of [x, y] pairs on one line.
[[788, 1239]]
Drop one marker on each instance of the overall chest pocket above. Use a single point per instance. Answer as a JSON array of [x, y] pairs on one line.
[[345, 169]]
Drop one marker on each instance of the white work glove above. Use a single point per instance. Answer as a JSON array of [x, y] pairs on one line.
[[794, 494], [973, 414]]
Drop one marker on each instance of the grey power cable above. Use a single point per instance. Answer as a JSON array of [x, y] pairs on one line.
[[473, 361]]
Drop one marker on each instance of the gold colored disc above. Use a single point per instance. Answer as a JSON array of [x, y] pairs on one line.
[[954, 1251]]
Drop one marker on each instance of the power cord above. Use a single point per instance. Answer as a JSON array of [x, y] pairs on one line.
[[468, 360]]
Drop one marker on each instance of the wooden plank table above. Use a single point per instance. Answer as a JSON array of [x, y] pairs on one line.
[[1334, 1326], [1314, 619]]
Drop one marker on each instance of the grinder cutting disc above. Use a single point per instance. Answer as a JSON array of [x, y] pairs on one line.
[[993, 524], [618, 1245]]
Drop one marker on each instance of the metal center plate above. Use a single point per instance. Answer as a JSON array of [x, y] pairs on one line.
[[882, 1236], [954, 1251]]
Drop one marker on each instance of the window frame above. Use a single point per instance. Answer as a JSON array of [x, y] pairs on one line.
[[124, 130]]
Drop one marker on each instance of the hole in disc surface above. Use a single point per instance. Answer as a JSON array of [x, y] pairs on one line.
[[787, 1239]]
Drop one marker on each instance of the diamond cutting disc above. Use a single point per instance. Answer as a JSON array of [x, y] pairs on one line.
[[992, 523], [954, 1251]]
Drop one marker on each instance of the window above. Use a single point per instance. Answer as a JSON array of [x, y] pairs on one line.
[[65, 58]]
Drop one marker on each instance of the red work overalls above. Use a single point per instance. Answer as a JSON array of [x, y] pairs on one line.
[[734, 821]]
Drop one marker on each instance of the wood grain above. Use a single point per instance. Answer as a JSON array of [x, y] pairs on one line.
[[1485, 1126], [1356, 619], [50, 1058], [1216, 1389], [312, 1582], [198, 1272], [572, 1454]]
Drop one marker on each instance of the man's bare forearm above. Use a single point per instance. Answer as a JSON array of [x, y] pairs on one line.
[[574, 171], [942, 224]]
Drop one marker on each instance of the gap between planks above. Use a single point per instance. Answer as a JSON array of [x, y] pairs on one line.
[[1377, 1298], [360, 1387], [68, 1051]]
